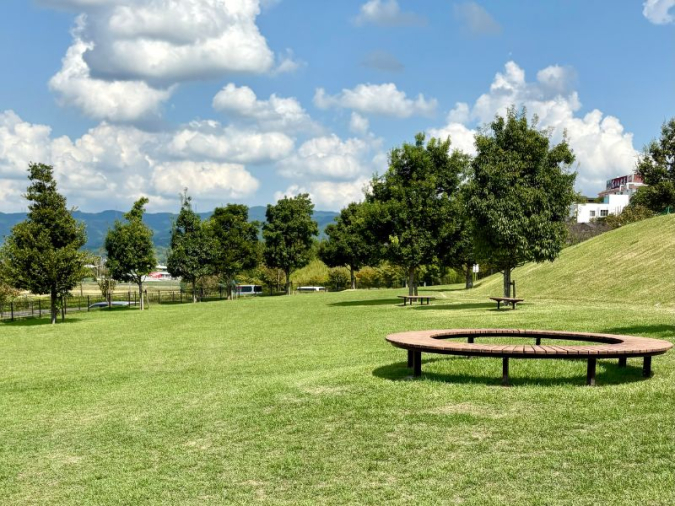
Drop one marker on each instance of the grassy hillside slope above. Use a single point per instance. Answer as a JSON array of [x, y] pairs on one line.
[[633, 263]]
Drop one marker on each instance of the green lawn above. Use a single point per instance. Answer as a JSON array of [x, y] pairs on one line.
[[299, 400]]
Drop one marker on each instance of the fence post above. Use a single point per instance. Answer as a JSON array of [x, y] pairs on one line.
[[32, 308], [88, 303], [39, 308], [11, 307]]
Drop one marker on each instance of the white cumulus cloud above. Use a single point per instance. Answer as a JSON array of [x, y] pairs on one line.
[[175, 40], [211, 141], [110, 100], [602, 147], [275, 113], [358, 124], [331, 157], [329, 195], [658, 11], [380, 99], [208, 179], [386, 13], [110, 166]]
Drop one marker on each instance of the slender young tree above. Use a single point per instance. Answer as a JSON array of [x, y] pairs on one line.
[[349, 242], [191, 253], [657, 168], [131, 254], [520, 194], [235, 242], [411, 207], [289, 233], [42, 254]]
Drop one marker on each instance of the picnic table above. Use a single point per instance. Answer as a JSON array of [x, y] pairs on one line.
[[413, 298], [509, 300]]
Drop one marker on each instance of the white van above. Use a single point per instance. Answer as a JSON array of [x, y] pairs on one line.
[[249, 290]]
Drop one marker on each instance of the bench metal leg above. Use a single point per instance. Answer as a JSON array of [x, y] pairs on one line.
[[538, 341], [410, 358], [417, 364], [505, 371], [647, 367], [623, 361], [498, 306], [590, 372], [470, 340]]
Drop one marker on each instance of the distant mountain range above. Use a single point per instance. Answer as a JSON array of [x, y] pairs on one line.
[[98, 224]]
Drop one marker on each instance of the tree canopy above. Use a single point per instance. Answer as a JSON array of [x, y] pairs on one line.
[[348, 242], [411, 207], [42, 254], [235, 242], [191, 253], [520, 194], [657, 168], [131, 254], [289, 233]]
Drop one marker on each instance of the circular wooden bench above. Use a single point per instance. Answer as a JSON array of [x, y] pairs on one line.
[[448, 342]]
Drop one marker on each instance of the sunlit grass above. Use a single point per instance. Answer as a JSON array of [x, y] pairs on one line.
[[299, 400]]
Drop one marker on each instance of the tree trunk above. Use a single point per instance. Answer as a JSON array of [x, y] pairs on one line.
[[412, 289], [353, 277], [229, 282], [469, 276], [507, 282], [53, 306], [288, 282], [140, 295]]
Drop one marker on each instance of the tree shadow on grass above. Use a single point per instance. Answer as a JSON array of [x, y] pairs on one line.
[[658, 330], [33, 322], [608, 373], [372, 302], [453, 306]]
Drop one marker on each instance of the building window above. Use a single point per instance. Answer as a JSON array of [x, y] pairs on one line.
[[592, 214], [603, 213]]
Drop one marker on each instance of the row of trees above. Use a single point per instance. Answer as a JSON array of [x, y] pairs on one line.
[[434, 206]]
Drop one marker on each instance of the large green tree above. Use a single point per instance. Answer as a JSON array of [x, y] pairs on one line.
[[191, 253], [657, 168], [289, 233], [520, 194], [411, 207], [235, 242], [349, 241], [42, 254], [131, 254]]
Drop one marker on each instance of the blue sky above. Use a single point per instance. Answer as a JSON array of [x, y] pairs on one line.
[[247, 100]]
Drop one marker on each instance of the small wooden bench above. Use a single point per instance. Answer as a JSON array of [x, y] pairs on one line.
[[412, 298], [609, 346], [509, 300]]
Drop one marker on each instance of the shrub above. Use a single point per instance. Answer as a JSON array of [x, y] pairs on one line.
[[339, 278]]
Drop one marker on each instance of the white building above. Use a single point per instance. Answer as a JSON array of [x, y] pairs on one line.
[[612, 204]]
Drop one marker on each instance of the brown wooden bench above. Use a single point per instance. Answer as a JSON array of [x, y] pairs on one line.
[[413, 298], [509, 300], [448, 342]]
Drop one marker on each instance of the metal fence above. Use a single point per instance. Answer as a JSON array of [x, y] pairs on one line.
[[27, 307]]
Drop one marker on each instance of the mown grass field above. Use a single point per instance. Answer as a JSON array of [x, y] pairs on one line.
[[299, 400]]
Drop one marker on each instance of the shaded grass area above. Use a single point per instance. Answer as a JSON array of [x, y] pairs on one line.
[[299, 400]]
